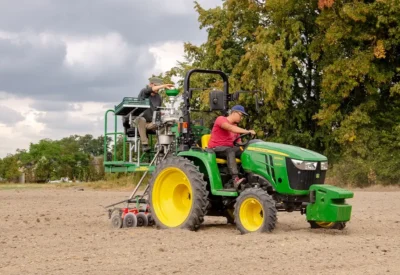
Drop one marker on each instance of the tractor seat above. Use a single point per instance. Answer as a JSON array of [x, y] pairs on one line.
[[204, 143]]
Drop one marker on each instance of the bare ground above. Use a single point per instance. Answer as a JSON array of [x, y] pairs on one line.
[[55, 231]]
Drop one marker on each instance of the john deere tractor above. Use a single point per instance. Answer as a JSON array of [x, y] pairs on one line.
[[191, 182]]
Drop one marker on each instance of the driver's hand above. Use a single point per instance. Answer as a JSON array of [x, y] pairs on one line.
[[168, 86], [252, 132]]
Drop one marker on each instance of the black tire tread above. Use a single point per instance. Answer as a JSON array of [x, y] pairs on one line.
[[124, 222], [143, 216], [268, 205], [199, 190], [116, 216], [336, 225]]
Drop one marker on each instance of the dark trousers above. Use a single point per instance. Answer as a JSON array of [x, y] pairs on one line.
[[230, 154]]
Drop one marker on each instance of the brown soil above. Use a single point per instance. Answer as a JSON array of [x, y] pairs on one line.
[[53, 231]]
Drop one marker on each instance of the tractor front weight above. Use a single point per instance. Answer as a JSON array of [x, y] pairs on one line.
[[328, 205]]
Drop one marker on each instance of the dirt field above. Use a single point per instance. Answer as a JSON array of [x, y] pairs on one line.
[[54, 231]]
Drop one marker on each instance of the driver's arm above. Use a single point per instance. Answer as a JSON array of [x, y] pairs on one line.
[[234, 129]]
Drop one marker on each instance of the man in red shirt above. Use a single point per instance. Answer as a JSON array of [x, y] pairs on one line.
[[223, 133]]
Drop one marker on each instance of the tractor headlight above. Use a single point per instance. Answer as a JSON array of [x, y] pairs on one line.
[[324, 165], [305, 165]]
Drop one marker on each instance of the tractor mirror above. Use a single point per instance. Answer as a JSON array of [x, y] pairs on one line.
[[216, 100]]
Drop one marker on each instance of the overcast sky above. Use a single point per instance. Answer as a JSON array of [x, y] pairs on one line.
[[64, 63]]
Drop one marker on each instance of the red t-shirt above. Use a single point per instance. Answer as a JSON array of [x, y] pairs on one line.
[[219, 136]]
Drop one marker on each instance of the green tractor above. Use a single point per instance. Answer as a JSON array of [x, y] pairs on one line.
[[188, 182]]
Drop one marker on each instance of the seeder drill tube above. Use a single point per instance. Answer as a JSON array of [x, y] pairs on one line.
[[137, 186]]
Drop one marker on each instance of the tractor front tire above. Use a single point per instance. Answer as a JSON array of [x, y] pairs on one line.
[[178, 194], [255, 211]]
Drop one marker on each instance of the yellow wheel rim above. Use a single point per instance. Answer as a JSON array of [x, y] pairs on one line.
[[251, 214], [172, 197], [325, 224]]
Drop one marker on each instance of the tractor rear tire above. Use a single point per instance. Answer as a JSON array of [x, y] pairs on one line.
[[178, 195], [255, 211], [328, 225]]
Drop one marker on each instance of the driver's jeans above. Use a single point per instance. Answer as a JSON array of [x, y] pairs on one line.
[[230, 154]]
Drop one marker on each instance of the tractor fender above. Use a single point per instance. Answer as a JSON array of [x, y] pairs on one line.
[[263, 182], [207, 164]]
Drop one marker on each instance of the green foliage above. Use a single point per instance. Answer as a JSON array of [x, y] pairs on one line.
[[9, 170], [75, 157], [329, 71]]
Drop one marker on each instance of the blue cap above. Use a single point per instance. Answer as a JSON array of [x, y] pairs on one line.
[[239, 108]]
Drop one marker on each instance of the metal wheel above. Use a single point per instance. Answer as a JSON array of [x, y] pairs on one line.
[[116, 220], [150, 219], [130, 220], [142, 219]]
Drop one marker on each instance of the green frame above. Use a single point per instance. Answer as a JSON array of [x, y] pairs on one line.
[[207, 163]]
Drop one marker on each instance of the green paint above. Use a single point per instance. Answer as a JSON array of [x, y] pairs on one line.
[[172, 92], [121, 166], [329, 204], [291, 151], [207, 164]]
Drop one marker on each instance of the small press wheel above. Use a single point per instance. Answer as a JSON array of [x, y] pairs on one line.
[[150, 220], [116, 220], [142, 219], [130, 220]]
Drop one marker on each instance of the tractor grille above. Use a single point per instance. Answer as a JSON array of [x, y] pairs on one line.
[[303, 179], [270, 166]]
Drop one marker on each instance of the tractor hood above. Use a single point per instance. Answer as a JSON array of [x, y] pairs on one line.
[[290, 151]]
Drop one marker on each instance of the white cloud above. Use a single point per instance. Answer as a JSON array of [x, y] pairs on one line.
[[166, 56], [183, 6], [96, 53], [20, 134], [83, 118], [59, 76], [58, 119], [42, 39]]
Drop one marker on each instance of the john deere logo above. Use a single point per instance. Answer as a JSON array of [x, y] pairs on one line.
[[317, 176]]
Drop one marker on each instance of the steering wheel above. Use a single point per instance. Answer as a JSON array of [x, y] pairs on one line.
[[251, 136]]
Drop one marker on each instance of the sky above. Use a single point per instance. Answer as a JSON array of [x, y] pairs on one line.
[[64, 63]]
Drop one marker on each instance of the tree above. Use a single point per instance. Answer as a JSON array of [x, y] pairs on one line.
[[267, 47], [329, 71], [9, 169], [359, 46]]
